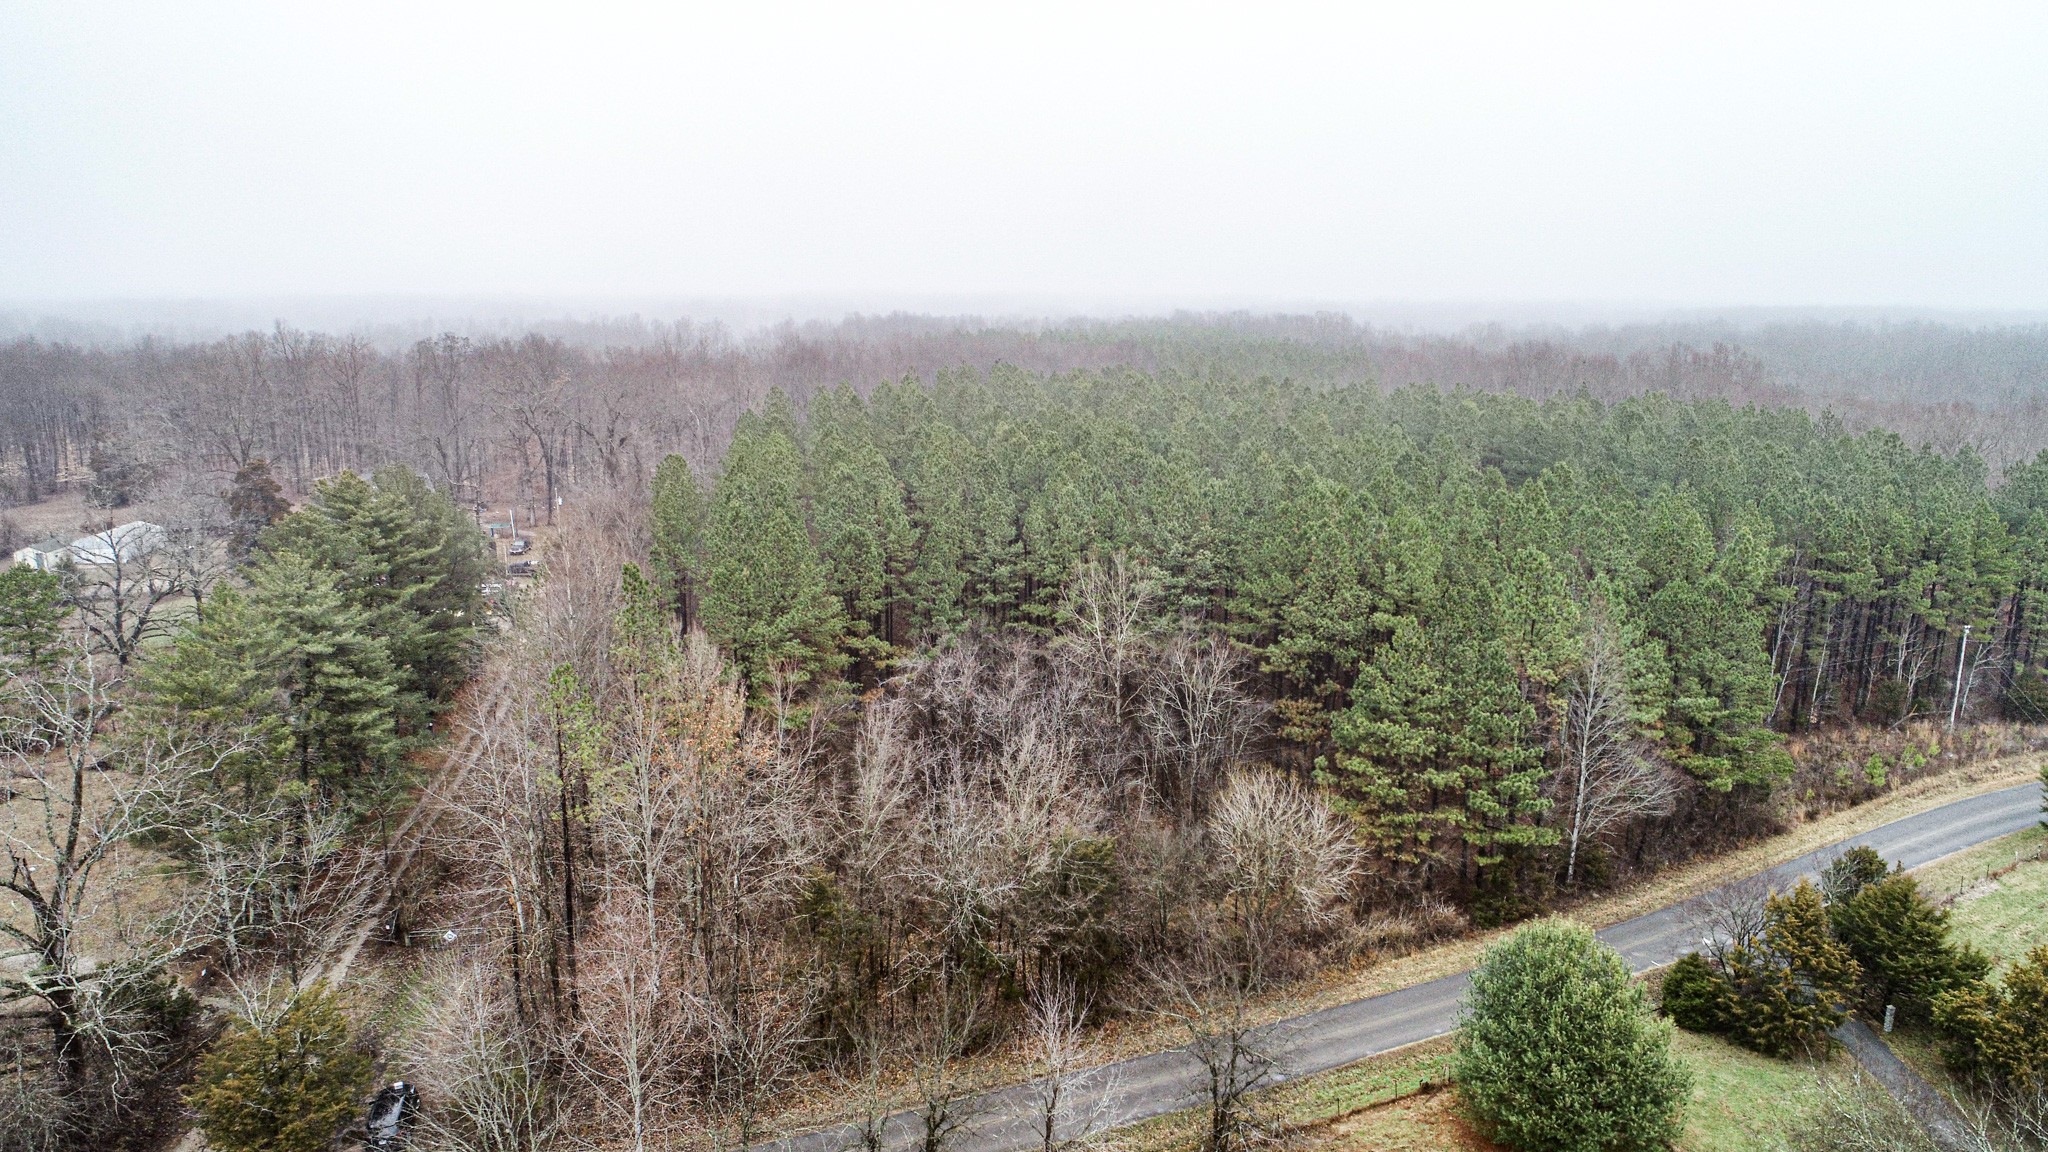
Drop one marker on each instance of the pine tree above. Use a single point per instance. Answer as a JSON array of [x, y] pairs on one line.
[[403, 554], [1438, 750], [291, 662], [864, 535], [32, 611], [1702, 606], [677, 514], [936, 584], [448, 605], [765, 599]]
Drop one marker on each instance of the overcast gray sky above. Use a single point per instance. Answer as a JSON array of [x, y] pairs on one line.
[[1703, 155]]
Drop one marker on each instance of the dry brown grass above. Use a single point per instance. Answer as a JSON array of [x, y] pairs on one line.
[[1424, 1122], [133, 886]]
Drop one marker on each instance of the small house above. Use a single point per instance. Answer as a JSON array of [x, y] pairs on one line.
[[44, 554]]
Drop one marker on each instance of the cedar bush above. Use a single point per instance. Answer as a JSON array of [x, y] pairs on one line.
[[1999, 1031], [288, 1087], [1789, 989], [1559, 1052], [1901, 941], [1695, 996]]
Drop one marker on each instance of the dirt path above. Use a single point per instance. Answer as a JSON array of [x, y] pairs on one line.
[[1935, 1113]]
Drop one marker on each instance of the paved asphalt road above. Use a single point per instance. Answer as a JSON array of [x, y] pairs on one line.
[[1162, 1082]]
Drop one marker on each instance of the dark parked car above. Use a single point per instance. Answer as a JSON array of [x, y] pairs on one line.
[[519, 548], [519, 568], [392, 1112]]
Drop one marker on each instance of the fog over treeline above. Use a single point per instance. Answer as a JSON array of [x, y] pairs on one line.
[[529, 410]]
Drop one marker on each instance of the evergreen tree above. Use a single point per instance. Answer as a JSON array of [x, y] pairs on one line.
[[863, 533], [448, 606], [405, 556], [935, 584], [255, 501], [1999, 1031], [1789, 989], [677, 514], [32, 612], [1695, 995], [1558, 1051], [765, 599], [1901, 940], [291, 1085], [1437, 750], [1703, 605], [292, 662]]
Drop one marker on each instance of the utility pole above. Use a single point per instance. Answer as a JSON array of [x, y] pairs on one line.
[[1957, 701]]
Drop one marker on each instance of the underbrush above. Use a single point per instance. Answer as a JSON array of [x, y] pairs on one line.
[[1838, 768]]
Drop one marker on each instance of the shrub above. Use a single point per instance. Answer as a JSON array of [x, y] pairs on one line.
[[1559, 1052], [1999, 1032], [1850, 873], [289, 1086], [1695, 996], [1788, 989], [1901, 941]]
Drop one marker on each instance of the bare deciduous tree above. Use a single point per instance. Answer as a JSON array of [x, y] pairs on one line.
[[631, 1041], [1202, 992], [1605, 778], [944, 1108], [756, 1037], [81, 809], [120, 596], [1283, 859], [1197, 715], [487, 1069], [1732, 916], [1108, 613], [1056, 1038]]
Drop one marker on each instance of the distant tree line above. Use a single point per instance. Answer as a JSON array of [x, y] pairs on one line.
[[570, 405]]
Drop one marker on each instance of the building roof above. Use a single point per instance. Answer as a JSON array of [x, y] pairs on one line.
[[130, 539]]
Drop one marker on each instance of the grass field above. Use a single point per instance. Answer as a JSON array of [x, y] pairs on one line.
[[1742, 1102], [1999, 907], [1401, 1102]]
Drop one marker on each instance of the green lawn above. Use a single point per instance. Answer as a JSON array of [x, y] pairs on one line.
[[1741, 1102], [2006, 916]]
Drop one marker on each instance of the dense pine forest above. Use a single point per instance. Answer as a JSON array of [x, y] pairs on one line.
[[1413, 580]]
